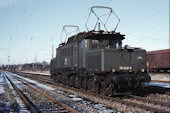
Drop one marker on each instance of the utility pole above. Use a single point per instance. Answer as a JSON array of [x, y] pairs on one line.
[[35, 57], [8, 61], [35, 66], [52, 51]]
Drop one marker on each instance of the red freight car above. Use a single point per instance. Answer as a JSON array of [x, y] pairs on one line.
[[158, 60]]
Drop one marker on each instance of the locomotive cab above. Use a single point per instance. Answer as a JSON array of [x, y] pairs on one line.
[[105, 53], [125, 65]]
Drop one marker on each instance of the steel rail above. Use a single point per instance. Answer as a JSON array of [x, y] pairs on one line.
[[159, 81], [166, 104], [109, 98], [51, 98], [113, 99], [132, 104], [28, 105]]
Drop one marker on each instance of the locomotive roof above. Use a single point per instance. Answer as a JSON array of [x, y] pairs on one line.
[[98, 35]]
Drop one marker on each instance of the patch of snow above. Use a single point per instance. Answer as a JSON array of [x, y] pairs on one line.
[[22, 108], [158, 84], [160, 76], [103, 109], [77, 99], [1, 89], [38, 72], [72, 96], [99, 106], [35, 82], [1, 78], [86, 102], [58, 91], [5, 107]]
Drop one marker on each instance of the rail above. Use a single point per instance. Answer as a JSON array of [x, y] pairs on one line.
[[30, 108], [116, 99], [50, 98]]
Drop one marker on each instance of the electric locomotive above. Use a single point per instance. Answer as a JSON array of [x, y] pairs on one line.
[[97, 61]]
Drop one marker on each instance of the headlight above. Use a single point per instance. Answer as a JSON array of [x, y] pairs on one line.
[[142, 70], [130, 70], [113, 70]]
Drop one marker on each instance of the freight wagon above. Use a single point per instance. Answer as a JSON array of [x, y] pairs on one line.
[[159, 60]]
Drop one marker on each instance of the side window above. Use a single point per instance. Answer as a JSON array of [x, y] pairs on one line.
[[85, 43], [95, 43]]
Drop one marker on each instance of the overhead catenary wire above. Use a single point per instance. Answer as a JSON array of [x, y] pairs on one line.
[[29, 17], [22, 16], [79, 20], [23, 27], [146, 17], [26, 22]]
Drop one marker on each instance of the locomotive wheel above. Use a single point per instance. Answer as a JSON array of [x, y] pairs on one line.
[[76, 79], [95, 88], [96, 84], [59, 78], [67, 79], [90, 84], [54, 78], [63, 80], [84, 83], [109, 90], [71, 81]]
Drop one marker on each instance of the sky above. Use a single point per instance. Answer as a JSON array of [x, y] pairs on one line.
[[29, 28]]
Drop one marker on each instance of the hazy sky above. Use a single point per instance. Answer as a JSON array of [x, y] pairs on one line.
[[29, 28]]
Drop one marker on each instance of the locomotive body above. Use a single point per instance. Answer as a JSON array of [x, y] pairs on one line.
[[96, 61]]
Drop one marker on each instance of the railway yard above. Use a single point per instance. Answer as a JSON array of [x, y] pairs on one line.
[[36, 92], [91, 69]]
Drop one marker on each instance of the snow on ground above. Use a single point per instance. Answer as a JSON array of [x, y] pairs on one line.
[[1, 84], [1, 89], [10, 102], [38, 72], [75, 98], [34, 82], [22, 106], [160, 76], [158, 84], [1, 79], [100, 107], [103, 109]]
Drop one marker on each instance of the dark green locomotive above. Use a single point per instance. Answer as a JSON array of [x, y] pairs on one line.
[[96, 61]]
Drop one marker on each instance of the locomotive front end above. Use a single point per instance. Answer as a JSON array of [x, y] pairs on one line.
[[121, 67]]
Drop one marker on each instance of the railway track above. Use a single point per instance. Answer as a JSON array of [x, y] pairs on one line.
[[148, 88], [52, 106], [166, 104], [159, 81], [131, 101]]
